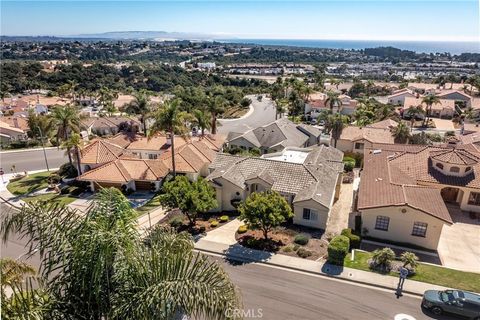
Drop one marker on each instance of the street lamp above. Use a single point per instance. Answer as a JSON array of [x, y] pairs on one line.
[[43, 147]]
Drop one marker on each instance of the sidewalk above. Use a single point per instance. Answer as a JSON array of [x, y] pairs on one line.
[[151, 219], [240, 253]]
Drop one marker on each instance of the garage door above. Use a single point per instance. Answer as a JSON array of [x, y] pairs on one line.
[[143, 185]]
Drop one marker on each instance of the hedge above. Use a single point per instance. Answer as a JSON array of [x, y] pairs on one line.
[[354, 239], [302, 239], [338, 250]]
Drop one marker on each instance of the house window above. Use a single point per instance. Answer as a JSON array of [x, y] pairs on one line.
[[419, 229], [382, 223], [474, 198], [455, 169], [439, 165], [309, 214], [468, 169], [152, 156], [359, 145]]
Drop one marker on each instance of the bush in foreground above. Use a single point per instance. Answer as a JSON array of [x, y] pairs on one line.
[[242, 229], [354, 239], [223, 218], [301, 239], [338, 250], [303, 253], [382, 259]]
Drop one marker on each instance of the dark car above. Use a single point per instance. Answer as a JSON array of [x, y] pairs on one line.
[[458, 302]]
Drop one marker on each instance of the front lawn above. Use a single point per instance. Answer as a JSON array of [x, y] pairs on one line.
[[29, 183], [468, 281], [51, 197]]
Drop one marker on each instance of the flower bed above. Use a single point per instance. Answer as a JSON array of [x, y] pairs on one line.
[[282, 240]]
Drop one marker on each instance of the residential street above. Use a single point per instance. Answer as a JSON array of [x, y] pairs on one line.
[[263, 113], [282, 294], [29, 160]]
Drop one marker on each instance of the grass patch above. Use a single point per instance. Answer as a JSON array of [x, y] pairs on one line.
[[150, 205], [30, 183], [468, 281], [51, 197]]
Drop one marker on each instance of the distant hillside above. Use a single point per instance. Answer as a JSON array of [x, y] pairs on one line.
[[150, 35]]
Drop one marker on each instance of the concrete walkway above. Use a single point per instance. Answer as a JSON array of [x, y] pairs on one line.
[[239, 253], [224, 234], [150, 219], [338, 218]]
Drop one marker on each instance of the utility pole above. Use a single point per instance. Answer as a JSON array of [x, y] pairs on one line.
[[43, 147]]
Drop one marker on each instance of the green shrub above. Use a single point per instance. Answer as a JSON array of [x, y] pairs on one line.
[[242, 229], [223, 219], [348, 166], [65, 190], [382, 259], [338, 249], [287, 249], [67, 171], [354, 239], [213, 223], [303, 253], [176, 222], [295, 247], [76, 191], [54, 178], [302, 239], [358, 157]]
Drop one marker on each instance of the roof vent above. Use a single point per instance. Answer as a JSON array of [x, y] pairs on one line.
[[377, 151]]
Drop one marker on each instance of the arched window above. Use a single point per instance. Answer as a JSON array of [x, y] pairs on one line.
[[468, 169], [455, 169], [439, 165]]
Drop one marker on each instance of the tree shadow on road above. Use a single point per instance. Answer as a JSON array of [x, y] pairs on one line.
[[237, 254]]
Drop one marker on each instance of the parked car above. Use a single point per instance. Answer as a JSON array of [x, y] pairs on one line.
[[462, 303]]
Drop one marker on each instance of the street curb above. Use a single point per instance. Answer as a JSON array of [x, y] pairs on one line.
[[28, 150], [243, 259]]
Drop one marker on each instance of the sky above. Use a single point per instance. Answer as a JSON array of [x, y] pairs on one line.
[[434, 20]]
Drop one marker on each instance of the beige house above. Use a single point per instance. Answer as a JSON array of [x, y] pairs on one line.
[[403, 190], [275, 137], [398, 97], [9, 133], [317, 103], [444, 109], [309, 179], [112, 166], [357, 139]]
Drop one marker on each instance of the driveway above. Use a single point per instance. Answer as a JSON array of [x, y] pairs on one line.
[[443, 124], [263, 113], [224, 234], [459, 246]]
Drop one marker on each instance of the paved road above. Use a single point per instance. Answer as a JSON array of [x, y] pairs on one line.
[[263, 113], [284, 294], [277, 294], [29, 160]]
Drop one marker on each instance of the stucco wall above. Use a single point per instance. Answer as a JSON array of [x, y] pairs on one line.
[[401, 225], [226, 193], [240, 142], [322, 214], [464, 201]]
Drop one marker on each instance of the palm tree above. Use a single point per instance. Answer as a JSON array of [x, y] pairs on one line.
[[216, 106], [280, 108], [67, 120], [202, 120], [409, 259], [334, 124], [140, 105], [401, 133], [74, 142], [97, 266], [333, 100], [13, 272], [170, 119], [412, 112], [382, 258], [106, 96], [429, 100]]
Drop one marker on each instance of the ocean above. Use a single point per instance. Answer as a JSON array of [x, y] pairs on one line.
[[417, 46]]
